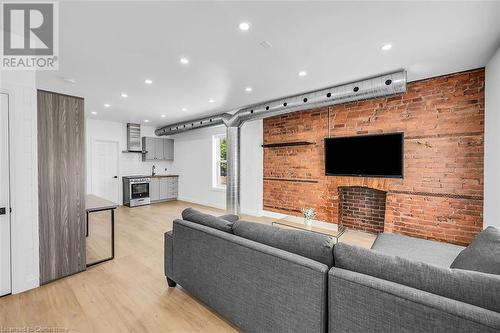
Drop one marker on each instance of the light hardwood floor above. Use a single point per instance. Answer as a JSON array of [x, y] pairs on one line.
[[128, 294]]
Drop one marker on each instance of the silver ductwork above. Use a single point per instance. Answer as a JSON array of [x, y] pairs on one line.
[[233, 169], [383, 85]]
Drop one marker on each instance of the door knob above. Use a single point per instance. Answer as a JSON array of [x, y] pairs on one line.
[[2, 211], [115, 176]]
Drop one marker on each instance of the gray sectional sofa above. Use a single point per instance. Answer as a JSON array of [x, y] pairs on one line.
[[267, 279]]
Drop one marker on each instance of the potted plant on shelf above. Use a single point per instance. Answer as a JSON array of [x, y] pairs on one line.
[[309, 215]]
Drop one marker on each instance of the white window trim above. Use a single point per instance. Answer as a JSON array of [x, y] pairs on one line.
[[215, 185]]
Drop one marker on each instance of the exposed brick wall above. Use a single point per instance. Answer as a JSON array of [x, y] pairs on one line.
[[362, 208], [441, 195]]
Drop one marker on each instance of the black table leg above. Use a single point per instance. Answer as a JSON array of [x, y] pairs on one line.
[[112, 237], [112, 234]]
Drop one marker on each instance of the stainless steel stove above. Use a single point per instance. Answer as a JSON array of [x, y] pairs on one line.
[[136, 190]]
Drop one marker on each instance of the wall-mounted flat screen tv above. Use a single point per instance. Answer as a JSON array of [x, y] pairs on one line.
[[379, 155]]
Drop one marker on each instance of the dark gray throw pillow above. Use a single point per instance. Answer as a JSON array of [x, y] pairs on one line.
[[483, 254], [307, 244], [190, 214]]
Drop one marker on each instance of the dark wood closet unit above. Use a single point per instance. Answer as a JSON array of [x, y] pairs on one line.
[[61, 185]]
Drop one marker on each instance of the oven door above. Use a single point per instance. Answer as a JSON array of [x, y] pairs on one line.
[[139, 190]]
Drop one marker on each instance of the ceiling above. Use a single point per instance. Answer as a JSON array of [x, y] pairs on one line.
[[110, 48]]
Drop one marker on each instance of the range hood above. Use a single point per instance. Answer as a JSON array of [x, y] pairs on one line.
[[133, 138]]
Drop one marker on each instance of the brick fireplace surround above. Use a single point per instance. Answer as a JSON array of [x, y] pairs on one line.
[[362, 208], [441, 195]]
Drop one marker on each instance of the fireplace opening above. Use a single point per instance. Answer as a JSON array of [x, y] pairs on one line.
[[362, 208]]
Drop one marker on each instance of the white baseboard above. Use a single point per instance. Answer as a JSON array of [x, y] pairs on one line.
[[251, 212], [219, 206], [275, 215], [202, 202]]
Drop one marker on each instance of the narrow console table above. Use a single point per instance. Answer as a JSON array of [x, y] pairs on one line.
[[94, 204]]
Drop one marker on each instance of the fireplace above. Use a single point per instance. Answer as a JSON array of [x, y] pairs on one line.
[[362, 208]]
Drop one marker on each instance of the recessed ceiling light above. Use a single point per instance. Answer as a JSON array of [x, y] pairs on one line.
[[265, 44], [244, 26], [69, 80], [211, 101], [386, 47], [124, 95], [93, 112], [302, 73], [248, 89], [184, 61], [163, 116], [146, 121], [148, 81], [184, 109], [107, 105]]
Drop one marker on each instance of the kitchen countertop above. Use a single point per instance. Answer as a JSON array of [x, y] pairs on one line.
[[163, 176]]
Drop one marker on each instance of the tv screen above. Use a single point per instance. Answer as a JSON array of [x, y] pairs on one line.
[[378, 155]]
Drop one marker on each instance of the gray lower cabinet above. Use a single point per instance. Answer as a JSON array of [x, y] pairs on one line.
[[164, 188], [154, 189], [158, 149], [172, 187]]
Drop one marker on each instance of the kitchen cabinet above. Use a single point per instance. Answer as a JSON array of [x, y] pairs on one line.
[[172, 187], [148, 144], [164, 188], [158, 149], [168, 149], [158, 144], [154, 189]]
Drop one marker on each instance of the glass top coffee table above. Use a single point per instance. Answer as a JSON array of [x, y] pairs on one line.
[[318, 227]]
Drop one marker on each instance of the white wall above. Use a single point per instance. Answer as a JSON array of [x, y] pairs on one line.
[[492, 143], [193, 163], [20, 85], [128, 164]]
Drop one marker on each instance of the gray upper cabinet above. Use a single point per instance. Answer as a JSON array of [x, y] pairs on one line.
[[157, 149], [158, 144], [148, 144], [168, 149]]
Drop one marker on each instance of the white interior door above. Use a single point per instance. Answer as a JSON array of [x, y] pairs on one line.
[[105, 180], [5, 277]]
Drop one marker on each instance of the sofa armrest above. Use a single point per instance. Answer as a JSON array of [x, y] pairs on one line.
[[169, 253], [363, 303]]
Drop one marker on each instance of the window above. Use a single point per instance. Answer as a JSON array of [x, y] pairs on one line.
[[220, 162]]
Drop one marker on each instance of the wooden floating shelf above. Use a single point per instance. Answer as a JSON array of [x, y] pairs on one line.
[[288, 144], [296, 180], [134, 152]]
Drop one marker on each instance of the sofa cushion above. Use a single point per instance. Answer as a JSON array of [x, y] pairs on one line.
[[430, 252], [307, 244], [466, 286], [483, 254], [230, 217], [208, 220]]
